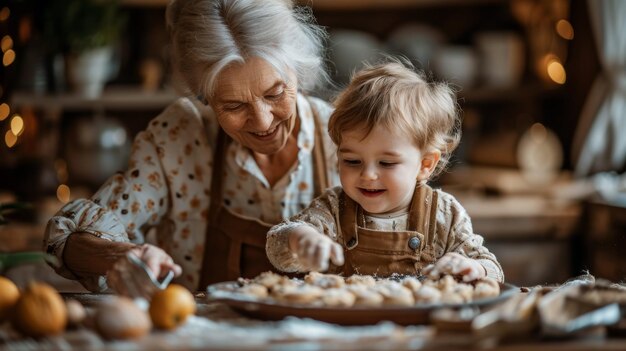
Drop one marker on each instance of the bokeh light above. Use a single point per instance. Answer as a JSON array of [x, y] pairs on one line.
[[4, 14], [8, 57], [556, 72], [25, 29], [61, 167], [6, 43], [17, 125], [565, 29], [63, 193], [4, 111], [10, 139]]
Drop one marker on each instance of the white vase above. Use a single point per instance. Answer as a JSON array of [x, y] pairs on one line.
[[89, 71]]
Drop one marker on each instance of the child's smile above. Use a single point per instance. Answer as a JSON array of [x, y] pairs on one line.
[[372, 192]]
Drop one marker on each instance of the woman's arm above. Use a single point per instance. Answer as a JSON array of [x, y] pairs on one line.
[[113, 217], [86, 254]]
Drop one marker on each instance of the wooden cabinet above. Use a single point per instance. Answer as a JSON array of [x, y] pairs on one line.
[[605, 239], [495, 116]]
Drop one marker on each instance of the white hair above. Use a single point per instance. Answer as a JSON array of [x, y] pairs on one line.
[[208, 35]]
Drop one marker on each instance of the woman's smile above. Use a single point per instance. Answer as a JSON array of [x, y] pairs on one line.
[[268, 134]]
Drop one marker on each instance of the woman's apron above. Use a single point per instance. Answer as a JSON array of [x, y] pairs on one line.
[[235, 245], [383, 253]]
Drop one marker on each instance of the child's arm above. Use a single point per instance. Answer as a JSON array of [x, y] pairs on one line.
[[313, 250], [308, 240], [456, 264], [462, 251]]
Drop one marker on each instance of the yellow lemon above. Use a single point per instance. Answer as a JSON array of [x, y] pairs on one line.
[[9, 294], [40, 311], [170, 307]]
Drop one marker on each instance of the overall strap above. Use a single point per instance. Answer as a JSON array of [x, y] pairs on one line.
[[320, 168], [423, 212], [348, 210], [217, 176]]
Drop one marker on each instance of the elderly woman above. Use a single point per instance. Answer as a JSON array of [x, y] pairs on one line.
[[212, 173]]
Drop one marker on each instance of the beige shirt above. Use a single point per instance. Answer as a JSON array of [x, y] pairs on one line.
[[167, 185], [453, 231]]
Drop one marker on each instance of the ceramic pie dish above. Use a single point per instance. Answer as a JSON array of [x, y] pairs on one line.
[[270, 309]]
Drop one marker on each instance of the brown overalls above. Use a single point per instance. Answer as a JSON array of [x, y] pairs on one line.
[[235, 245], [383, 253]]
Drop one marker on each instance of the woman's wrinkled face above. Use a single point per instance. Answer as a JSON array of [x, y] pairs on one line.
[[255, 105]]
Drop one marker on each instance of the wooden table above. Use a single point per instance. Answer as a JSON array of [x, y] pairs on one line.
[[216, 327]]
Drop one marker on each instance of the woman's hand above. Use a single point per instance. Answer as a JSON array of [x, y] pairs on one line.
[[453, 263], [127, 278], [314, 250], [157, 260]]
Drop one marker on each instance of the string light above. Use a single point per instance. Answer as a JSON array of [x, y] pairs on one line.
[[556, 72], [8, 58], [4, 111], [565, 29], [7, 43], [10, 139], [4, 14], [17, 125], [63, 193], [551, 69]]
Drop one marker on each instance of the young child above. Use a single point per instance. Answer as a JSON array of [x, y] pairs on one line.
[[394, 131]]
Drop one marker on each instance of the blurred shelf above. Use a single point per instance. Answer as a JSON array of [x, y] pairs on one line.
[[145, 3], [501, 94], [133, 98], [120, 98], [346, 4], [388, 4]]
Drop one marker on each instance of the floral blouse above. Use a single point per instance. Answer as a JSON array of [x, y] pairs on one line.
[[453, 231], [167, 187]]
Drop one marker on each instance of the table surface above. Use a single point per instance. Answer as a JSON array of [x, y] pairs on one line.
[[216, 327]]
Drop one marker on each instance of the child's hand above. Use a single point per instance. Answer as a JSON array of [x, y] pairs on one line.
[[456, 264], [314, 250]]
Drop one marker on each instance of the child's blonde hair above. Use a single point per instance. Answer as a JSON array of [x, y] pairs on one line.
[[394, 95]]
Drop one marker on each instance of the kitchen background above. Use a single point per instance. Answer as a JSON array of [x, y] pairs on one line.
[[79, 79]]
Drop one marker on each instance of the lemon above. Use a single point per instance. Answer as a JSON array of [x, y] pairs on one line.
[[170, 307]]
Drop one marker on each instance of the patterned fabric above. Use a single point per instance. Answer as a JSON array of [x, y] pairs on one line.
[[167, 186], [454, 232]]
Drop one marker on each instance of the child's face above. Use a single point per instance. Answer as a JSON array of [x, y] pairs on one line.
[[380, 172]]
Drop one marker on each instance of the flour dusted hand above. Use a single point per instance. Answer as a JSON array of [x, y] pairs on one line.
[[314, 251], [456, 264]]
